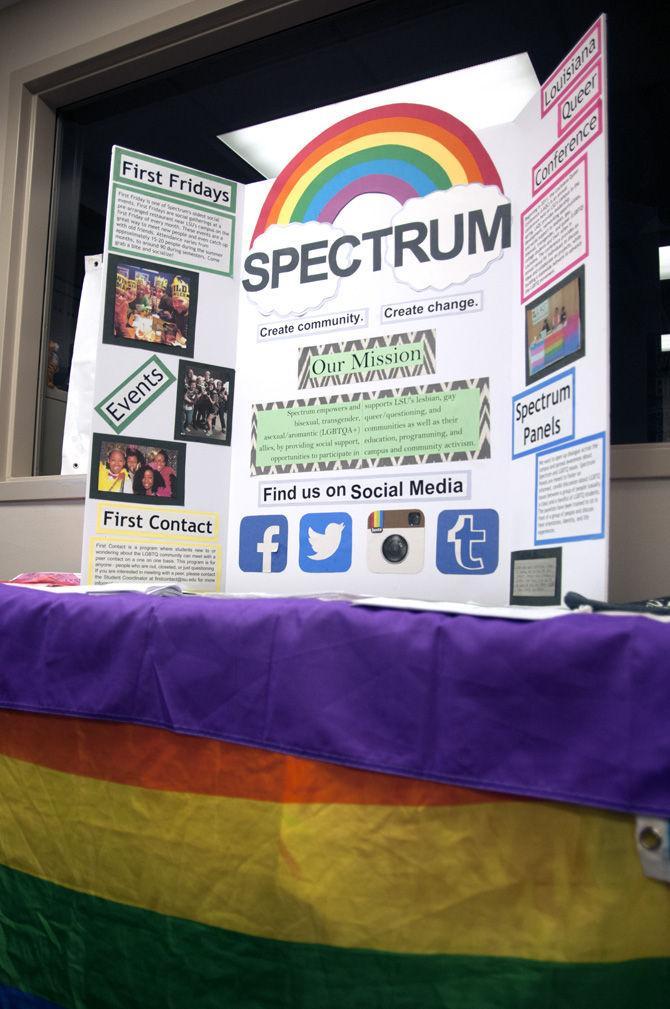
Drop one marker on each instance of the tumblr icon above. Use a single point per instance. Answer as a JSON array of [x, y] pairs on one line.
[[467, 542]]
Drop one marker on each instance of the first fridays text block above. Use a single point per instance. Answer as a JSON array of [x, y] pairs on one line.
[[172, 214]]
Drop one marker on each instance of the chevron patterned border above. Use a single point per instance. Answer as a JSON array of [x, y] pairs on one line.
[[482, 452]]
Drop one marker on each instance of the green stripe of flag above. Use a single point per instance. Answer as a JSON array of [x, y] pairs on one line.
[[82, 951]]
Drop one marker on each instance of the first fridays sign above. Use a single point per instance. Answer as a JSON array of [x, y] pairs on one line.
[[384, 371]]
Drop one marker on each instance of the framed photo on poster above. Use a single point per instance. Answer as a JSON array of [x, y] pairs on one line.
[[149, 306]]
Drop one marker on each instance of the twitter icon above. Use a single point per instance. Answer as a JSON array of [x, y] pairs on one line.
[[325, 542]]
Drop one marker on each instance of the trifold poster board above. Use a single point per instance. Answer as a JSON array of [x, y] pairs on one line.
[[384, 371]]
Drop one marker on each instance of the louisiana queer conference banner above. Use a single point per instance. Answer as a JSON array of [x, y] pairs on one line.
[[383, 371]]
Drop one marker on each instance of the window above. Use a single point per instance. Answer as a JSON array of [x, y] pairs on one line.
[[177, 114]]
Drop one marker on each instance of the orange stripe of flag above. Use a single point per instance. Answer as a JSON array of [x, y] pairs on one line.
[[156, 758]]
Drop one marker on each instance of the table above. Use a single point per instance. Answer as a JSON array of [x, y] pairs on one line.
[[299, 803]]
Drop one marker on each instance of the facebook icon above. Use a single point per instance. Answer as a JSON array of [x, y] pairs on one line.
[[467, 542], [263, 543]]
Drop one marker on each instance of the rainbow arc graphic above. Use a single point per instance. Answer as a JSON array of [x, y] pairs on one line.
[[401, 150]]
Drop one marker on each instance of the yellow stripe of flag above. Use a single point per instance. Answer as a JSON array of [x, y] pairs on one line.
[[510, 879]]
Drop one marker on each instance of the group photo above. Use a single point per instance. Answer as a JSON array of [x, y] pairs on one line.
[[204, 403], [555, 327], [144, 471], [147, 304]]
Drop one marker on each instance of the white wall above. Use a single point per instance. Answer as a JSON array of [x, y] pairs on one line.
[[640, 539], [40, 536]]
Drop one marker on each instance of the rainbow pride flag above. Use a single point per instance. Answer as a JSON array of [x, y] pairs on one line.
[[294, 804], [145, 868], [553, 345]]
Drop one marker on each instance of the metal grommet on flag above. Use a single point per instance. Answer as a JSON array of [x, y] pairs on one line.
[[652, 837]]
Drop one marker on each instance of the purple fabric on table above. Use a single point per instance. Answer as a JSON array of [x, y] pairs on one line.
[[575, 708]]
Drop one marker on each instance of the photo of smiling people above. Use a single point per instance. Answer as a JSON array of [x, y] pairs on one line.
[[555, 327], [148, 304], [204, 403], [134, 470]]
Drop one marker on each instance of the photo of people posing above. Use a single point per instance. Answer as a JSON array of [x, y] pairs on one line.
[[137, 471], [555, 327], [204, 403], [147, 304]]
